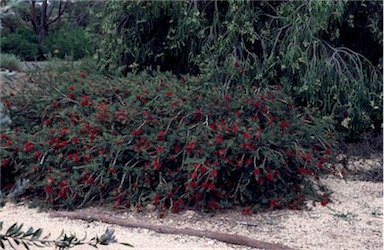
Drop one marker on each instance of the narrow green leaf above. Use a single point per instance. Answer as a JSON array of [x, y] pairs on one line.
[[25, 245], [37, 234], [126, 244], [29, 232], [11, 229]]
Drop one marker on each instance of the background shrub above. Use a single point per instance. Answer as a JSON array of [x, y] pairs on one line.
[[10, 62], [22, 43], [69, 41], [166, 141], [316, 46]]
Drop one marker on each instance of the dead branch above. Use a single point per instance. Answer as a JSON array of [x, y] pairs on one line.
[[223, 237]]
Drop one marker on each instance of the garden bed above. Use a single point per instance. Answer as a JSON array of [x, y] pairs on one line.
[[353, 221]]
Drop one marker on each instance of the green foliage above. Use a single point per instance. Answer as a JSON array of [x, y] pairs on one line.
[[22, 43], [69, 41], [10, 62], [303, 43], [32, 237], [173, 143]]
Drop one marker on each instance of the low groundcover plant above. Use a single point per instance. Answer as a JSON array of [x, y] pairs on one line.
[[170, 142]]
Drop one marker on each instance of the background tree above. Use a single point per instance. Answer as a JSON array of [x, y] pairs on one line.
[[315, 48]]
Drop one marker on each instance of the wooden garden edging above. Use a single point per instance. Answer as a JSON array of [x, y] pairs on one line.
[[223, 237]]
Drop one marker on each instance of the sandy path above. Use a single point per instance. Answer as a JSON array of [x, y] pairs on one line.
[[353, 221]]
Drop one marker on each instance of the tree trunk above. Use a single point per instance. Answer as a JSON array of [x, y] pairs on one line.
[[43, 32]]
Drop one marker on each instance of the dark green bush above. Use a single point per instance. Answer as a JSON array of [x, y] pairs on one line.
[[22, 43], [173, 143], [69, 41]]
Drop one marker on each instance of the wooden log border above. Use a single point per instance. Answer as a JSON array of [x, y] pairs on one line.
[[163, 229]]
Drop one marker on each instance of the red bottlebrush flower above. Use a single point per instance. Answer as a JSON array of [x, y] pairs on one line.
[[48, 189], [83, 75], [222, 152], [198, 196], [71, 87], [156, 164], [284, 125], [219, 140], [323, 160], [177, 149], [246, 136], [249, 162], [134, 133], [269, 176], [159, 149], [227, 98], [324, 203], [238, 114], [308, 157], [28, 146], [257, 104], [86, 101], [274, 203], [169, 94], [242, 71], [302, 171], [156, 199], [279, 86], [320, 165], [63, 144], [214, 173], [194, 176], [7, 103], [204, 185], [64, 130], [90, 180], [4, 162], [236, 64], [111, 170], [202, 169], [256, 172], [193, 184], [191, 145], [75, 140], [258, 134], [161, 134], [183, 79], [71, 96], [55, 106], [247, 211], [213, 204], [37, 155], [327, 152]]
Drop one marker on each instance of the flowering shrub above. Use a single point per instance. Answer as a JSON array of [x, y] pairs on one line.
[[172, 143]]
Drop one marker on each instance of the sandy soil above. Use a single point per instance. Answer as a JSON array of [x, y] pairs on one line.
[[353, 221]]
